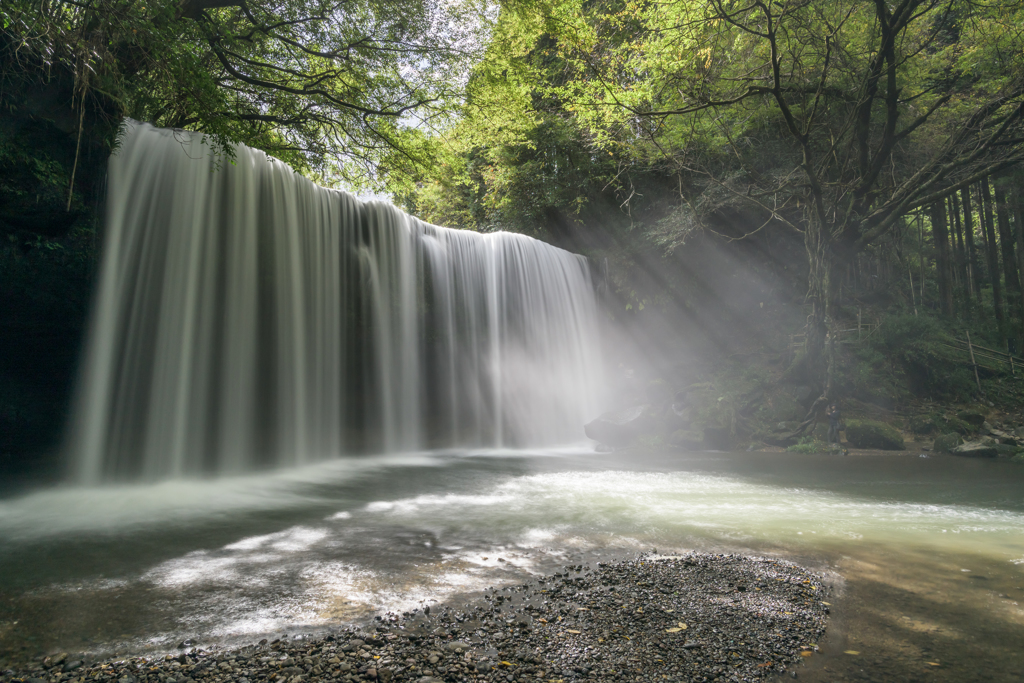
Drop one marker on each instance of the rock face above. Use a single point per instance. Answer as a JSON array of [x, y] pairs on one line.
[[620, 427], [976, 449], [871, 434]]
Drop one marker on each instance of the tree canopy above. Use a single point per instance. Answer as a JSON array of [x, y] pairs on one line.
[[332, 86]]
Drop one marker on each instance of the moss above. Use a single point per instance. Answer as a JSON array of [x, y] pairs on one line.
[[944, 443], [871, 434], [924, 424], [809, 444], [955, 424], [972, 417]]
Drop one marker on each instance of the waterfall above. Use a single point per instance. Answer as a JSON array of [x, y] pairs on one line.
[[247, 318]]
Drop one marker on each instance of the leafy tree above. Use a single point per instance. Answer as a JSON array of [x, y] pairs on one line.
[[833, 117], [335, 86]]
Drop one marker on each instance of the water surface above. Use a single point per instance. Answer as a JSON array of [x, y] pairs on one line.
[[926, 555]]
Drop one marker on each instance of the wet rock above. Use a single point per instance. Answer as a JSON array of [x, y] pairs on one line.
[[620, 427], [944, 443], [591, 623], [55, 660], [975, 449], [972, 417], [871, 434]]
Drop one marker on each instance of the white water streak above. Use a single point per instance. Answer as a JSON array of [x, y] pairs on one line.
[[248, 318]]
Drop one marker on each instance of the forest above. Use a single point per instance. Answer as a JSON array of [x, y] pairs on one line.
[[753, 176], [511, 341]]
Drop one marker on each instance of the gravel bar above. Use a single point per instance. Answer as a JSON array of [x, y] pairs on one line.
[[695, 617]]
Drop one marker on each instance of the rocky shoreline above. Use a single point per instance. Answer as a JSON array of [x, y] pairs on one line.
[[696, 617]]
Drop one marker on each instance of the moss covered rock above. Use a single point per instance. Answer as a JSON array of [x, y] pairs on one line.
[[972, 417], [924, 424], [955, 424], [945, 443], [871, 434]]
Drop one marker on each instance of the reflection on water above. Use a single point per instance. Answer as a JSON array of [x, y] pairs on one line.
[[927, 554]]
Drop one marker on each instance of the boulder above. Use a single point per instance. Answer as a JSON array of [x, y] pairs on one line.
[[678, 416], [1002, 437], [955, 424], [1006, 450], [871, 434], [972, 417], [620, 427], [944, 443], [976, 449], [923, 424], [688, 440]]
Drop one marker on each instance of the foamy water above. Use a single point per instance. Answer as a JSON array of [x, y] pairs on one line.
[[334, 544]]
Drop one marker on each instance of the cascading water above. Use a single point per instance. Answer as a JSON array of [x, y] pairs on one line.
[[248, 318]]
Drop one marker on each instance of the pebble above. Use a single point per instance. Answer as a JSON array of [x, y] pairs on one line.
[[696, 617]]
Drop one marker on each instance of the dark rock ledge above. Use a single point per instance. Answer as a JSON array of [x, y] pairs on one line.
[[696, 617]]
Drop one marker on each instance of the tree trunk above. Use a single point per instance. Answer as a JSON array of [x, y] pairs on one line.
[[1006, 244], [819, 256], [972, 255], [940, 235], [959, 253], [1018, 230], [993, 258]]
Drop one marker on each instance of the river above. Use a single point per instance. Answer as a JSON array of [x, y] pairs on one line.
[[925, 554]]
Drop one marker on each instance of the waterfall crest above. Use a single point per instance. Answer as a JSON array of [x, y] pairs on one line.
[[247, 318]]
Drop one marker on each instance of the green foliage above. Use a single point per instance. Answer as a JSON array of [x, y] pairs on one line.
[[923, 424], [336, 87], [871, 434], [910, 352], [808, 444]]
